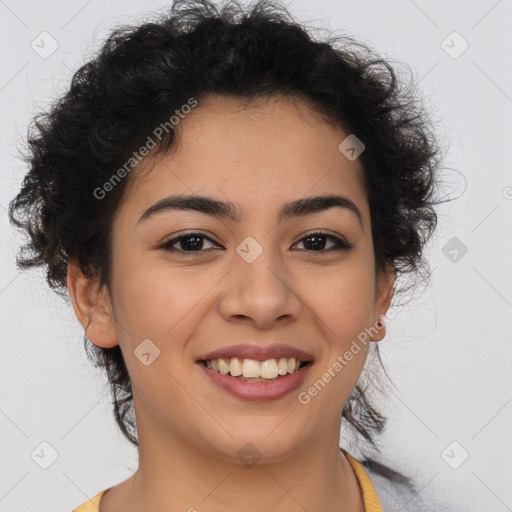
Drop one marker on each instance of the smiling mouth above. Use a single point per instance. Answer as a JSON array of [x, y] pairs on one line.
[[251, 370]]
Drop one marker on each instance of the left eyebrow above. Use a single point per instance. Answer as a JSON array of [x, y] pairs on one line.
[[227, 209]]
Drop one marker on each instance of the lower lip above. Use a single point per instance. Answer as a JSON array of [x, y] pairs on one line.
[[258, 391]]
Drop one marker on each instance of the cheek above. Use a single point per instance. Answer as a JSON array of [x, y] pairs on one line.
[[154, 301], [166, 308], [343, 299], [343, 304], [153, 305]]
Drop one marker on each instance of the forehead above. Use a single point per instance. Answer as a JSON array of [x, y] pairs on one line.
[[257, 154]]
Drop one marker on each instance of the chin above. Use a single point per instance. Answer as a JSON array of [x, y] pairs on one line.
[[257, 444]]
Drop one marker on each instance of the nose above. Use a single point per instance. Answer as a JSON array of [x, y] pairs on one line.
[[261, 293]]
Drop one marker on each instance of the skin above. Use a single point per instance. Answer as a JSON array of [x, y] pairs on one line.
[[258, 157]]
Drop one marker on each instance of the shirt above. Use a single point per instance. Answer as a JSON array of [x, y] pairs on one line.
[[370, 498]]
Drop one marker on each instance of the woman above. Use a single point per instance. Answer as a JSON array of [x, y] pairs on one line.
[[229, 205]]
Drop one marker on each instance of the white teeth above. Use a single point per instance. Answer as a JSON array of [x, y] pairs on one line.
[[269, 369], [251, 368], [282, 366], [235, 367], [223, 367]]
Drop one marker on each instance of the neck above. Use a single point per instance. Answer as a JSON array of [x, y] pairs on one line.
[[175, 475]]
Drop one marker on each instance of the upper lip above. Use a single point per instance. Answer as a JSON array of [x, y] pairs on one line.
[[257, 352]]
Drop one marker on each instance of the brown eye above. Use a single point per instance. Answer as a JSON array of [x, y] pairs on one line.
[[317, 241], [191, 242]]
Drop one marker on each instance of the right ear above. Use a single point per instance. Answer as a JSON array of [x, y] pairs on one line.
[[92, 306]]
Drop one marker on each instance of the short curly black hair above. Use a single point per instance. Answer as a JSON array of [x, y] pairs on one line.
[[198, 49]]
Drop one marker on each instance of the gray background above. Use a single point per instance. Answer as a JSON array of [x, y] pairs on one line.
[[448, 351]]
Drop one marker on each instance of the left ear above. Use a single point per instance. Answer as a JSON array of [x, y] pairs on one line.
[[384, 290]]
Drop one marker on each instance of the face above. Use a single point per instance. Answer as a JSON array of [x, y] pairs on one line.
[[248, 280]]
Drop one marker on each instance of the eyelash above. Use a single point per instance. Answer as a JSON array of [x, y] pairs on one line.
[[339, 243]]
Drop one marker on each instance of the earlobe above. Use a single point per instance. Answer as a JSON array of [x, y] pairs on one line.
[[92, 307], [384, 294]]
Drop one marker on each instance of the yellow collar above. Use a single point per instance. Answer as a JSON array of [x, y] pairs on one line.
[[92, 505], [370, 498]]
